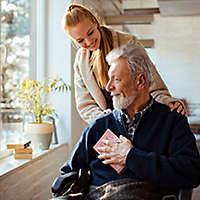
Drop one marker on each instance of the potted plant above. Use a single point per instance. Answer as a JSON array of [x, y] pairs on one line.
[[33, 97]]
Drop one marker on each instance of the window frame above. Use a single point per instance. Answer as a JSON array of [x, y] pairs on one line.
[[38, 39]]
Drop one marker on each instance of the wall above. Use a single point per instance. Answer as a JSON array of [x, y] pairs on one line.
[[59, 64], [176, 53]]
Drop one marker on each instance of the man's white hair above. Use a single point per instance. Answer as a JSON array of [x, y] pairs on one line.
[[138, 60]]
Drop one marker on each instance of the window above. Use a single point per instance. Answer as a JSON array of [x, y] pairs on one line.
[[15, 65], [36, 28], [15, 38]]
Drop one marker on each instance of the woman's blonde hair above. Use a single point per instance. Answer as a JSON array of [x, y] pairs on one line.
[[75, 14]]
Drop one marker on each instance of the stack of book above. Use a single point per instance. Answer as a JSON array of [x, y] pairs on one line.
[[21, 151]]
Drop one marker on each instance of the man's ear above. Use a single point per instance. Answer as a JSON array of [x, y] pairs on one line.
[[140, 80]]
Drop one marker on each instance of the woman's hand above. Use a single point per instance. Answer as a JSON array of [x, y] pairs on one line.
[[178, 106]]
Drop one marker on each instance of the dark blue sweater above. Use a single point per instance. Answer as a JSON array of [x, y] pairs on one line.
[[164, 150]]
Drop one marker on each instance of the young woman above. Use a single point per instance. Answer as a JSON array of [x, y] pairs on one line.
[[95, 41]]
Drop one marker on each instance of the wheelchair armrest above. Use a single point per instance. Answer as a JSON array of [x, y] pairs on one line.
[[63, 183]]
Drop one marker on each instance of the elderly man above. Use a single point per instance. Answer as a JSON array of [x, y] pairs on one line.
[[156, 149]]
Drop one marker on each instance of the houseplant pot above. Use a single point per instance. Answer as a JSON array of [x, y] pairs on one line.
[[40, 134], [33, 97]]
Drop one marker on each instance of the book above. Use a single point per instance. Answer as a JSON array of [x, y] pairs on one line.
[[15, 146], [18, 146], [23, 151], [109, 135], [23, 156]]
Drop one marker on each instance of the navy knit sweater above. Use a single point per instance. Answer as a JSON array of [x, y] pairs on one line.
[[164, 150]]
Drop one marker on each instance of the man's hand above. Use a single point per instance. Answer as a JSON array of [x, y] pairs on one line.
[[176, 105], [115, 153]]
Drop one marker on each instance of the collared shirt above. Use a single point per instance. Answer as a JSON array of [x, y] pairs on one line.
[[132, 124]]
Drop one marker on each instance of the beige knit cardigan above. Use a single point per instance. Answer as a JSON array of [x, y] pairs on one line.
[[90, 101]]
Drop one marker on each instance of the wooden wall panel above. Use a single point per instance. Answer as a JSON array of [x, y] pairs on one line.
[[179, 7]]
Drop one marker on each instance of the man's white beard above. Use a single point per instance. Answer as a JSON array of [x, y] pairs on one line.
[[122, 102]]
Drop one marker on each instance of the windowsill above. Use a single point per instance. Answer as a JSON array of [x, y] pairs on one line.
[[5, 153], [32, 179], [9, 164]]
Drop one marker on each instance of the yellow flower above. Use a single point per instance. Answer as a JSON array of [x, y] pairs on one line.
[[33, 96]]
